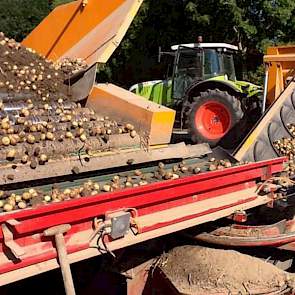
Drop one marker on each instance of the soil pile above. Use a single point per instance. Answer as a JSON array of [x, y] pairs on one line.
[[22, 70], [200, 270]]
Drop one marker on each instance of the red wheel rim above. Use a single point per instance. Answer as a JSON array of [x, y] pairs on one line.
[[213, 120]]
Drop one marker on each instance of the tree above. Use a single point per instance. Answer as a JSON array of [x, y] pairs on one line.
[[251, 24], [55, 3], [158, 23], [19, 17]]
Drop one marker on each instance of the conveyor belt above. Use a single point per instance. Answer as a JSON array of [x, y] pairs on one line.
[[64, 168], [258, 145]]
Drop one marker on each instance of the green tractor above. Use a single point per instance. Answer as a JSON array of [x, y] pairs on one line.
[[208, 99]]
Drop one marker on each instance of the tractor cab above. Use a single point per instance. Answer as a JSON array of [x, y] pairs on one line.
[[197, 62], [211, 104]]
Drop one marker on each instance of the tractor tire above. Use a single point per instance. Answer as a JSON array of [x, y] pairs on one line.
[[212, 115]]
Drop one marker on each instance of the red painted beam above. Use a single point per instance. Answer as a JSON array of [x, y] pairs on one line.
[[142, 198], [147, 200]]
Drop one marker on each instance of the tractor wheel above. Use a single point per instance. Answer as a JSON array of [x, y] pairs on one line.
[[212, 115]]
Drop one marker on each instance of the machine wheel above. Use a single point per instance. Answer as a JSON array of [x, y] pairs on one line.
[[212, 115]]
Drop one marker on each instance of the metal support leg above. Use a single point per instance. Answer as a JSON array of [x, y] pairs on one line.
[[265, 88], [57, 232]]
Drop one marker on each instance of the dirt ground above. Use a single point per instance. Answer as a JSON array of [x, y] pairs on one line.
[[195, 270], [201, 270]]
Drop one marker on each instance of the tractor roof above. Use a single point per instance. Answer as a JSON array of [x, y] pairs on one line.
[[207, 45]]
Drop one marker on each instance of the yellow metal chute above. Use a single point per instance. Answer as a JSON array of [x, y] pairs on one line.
[[90, 29]]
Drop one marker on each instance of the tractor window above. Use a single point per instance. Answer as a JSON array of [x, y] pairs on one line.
[[165, 68], [211, 63], [187, 59], [229, 68], [187, 70]]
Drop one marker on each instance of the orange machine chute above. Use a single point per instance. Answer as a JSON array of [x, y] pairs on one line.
[[280, 64], [90, 29]]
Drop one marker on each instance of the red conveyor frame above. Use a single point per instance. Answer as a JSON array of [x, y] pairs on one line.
[[161, 208]]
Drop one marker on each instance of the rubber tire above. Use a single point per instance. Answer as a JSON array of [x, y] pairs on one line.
[[231, 102]]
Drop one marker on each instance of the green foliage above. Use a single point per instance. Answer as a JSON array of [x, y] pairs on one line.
[[253, 25], [19, 17], [59, 2], [158, 23], [257, 76]]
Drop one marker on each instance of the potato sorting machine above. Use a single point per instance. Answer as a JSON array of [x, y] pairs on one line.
[[69, 194]]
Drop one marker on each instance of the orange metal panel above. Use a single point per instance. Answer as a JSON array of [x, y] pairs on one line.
[[91, 32], [281, 63], [155, 122]]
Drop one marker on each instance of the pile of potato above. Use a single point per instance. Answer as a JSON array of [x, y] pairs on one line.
[[71, 66], [47, 113], [286, 146], [23, 140], [23, 70]]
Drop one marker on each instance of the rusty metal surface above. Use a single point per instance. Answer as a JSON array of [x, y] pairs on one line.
[[275, 235]]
